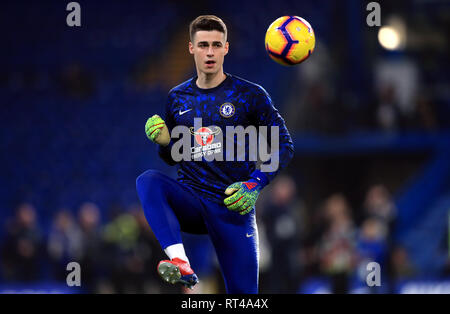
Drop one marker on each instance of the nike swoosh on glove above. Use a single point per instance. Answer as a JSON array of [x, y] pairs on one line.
[[243, 196]]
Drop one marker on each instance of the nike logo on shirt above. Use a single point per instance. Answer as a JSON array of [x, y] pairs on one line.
[[183, 112]]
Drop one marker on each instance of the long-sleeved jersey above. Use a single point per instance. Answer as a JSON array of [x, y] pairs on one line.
[[212, 164]]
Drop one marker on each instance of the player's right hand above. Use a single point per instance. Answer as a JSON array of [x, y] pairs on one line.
[[157, 131]]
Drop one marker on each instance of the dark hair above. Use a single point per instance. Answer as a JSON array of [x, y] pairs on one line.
[[207, 23]]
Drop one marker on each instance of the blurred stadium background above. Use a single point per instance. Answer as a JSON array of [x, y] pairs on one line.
[[370, 180]]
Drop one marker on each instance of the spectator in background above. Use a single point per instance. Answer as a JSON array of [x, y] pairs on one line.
[[131, 254], [425, 114], [148, 251], [372, 244], [388, 115], [23, 246], [400, 267], [378, 203], [375, 241], [336, 249], [281, 215], [396, 82], [64, 243], [120, 235], [91, 260]]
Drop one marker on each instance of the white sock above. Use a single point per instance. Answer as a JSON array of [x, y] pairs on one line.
[[176, 250]]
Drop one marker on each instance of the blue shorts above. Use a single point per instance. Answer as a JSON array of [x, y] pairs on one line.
[[171, 207]]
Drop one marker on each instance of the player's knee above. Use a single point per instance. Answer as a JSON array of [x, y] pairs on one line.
[[149, 179]]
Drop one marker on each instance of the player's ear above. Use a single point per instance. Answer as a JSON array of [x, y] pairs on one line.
[[191, 48], [227, 46]]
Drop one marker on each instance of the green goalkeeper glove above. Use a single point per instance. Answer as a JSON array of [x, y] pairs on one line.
[[157, 131], [243, 196]]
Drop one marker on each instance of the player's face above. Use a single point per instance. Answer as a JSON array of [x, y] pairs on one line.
[[209, 49]]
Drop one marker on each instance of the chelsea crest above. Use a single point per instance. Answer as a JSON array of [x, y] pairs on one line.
[[227, 110]]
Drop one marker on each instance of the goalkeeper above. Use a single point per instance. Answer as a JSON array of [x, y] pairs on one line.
[[210, 197]]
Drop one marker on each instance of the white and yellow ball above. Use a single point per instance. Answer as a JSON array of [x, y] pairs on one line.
[[290, 40]]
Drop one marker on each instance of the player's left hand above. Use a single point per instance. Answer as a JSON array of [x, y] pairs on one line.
[[243, 196]]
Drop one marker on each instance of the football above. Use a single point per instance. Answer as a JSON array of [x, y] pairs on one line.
[[290, 40]]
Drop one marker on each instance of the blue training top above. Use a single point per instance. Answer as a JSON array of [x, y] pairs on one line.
[[234, 102]]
